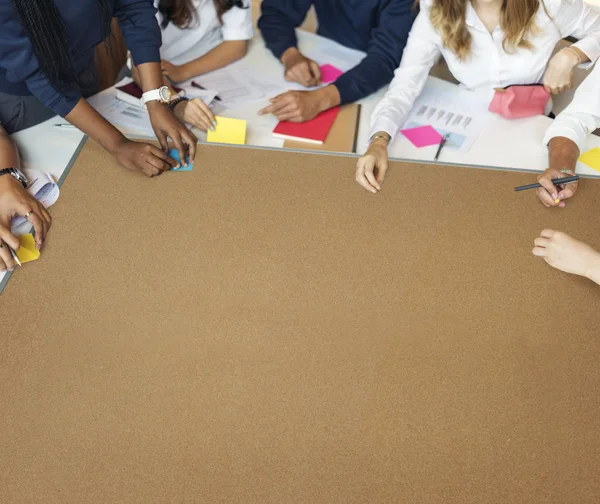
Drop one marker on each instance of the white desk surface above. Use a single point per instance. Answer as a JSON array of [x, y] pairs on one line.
[[514, 144]]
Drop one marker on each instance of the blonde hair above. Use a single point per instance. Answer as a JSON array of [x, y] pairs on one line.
[[516, 19]]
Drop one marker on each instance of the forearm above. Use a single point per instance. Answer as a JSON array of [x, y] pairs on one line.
[[135, 74], [224, 54], [328, 97], [9, 156], [93, 124], [594, 273], [562, 154]]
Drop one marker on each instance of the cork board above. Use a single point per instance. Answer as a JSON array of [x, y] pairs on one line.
[[260, 330]]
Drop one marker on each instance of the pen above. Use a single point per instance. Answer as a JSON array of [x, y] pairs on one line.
[[13, 253], [64, 125], [559, 181], [439, 151], [196, 85]]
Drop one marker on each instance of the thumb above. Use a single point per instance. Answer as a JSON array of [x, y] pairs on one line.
[[568, 191]]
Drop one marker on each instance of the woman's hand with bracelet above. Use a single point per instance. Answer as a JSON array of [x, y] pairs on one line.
[[559, 73], [194, 112], [372, 166]]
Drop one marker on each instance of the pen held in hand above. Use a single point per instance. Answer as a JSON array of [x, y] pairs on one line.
[[559, 181], [13, 253]]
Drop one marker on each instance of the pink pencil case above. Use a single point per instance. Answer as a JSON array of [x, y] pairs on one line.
[[517, 102]]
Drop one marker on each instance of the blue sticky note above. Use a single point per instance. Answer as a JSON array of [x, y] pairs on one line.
[[174, 153]]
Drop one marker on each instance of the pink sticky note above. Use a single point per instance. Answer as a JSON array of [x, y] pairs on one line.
[[329, 73], [422, 136]]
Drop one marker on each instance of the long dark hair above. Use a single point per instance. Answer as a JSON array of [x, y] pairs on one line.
[[44, 27], [182, 12]]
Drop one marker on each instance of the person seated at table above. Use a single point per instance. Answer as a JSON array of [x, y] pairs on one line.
[[487, 45], [47, 67], [15, 200], [199, 36], [378, 27], [561, 251]]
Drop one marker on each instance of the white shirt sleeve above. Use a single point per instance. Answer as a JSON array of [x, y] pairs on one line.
[[422, 50], [582, 116], [237, 24], [575, 19]]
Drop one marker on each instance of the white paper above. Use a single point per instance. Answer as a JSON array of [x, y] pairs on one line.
[[121, 113], [231, 83], [462, 115]]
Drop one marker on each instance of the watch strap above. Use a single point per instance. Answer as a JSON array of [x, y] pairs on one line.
[[16, 174]]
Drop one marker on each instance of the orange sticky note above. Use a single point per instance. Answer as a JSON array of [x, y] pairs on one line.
[[27, 252]]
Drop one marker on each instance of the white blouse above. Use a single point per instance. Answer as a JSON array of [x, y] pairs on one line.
[[488, 66], [205, 33]]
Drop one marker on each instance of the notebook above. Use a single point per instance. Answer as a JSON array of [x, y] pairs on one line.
[[342, 136], [314, 131]]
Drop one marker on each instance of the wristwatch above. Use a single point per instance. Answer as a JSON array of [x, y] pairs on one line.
[[162, 94], [18, 174]]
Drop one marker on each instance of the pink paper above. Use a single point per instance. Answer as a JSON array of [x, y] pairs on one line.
[[422, 136], [329, 73]]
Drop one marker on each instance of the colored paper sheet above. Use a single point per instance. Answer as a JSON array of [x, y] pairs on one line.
[[228, 131], [591, 158], [329, 73], [422, 136], [27, 252], [174, 153]]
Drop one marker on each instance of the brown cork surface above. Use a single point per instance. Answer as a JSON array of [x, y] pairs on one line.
[[261, 330]]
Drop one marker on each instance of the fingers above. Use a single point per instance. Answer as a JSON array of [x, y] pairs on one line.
[[6, 259], [37, 222], [162, 140], [542, 242], [548, 233], [10, 239], [316, 72], [540, 251], [382, 166], [277, 104], [204, 108], [160, 159], [364, 165], [191, 141], [545, 198], [568, 191], [548, 193]]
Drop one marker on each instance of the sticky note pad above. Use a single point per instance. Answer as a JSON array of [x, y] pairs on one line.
[[27, 252], [422, 136], [329, 73], [174, 153], [591, 158], [229, 131]]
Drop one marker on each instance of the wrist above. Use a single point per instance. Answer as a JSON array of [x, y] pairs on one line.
[[575, 55], [289, 53], [329, 96], [115, 143], [379, 143]]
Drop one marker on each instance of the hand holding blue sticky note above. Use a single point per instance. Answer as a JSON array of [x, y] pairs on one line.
[[174, 153]]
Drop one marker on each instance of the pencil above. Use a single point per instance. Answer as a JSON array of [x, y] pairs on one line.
[[559, 181], [439, 151]]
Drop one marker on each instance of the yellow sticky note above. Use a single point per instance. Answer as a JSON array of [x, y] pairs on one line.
[[27, 252], [591, 158], [229, 131]]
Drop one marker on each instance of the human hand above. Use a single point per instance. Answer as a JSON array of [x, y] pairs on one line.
[[196, 113], [549, 193], [300, 69], [15, 200], [143, 157], [561, 251], [166, 125], [559, 72], [295, 106], [175, 73], [372, 166]]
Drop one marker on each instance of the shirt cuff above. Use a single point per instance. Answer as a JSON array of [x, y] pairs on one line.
[[145, 54], [591, 48], [571, 130], [384, 124], [64, 105]]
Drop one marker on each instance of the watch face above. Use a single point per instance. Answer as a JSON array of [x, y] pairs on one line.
[[165, 94]]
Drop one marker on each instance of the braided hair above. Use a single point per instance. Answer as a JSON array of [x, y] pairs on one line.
[[45, 29], [182, 12]]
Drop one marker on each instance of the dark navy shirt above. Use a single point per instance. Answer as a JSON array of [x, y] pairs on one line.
[[378, 27], [20, 73]]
